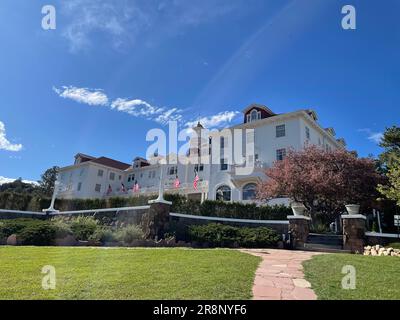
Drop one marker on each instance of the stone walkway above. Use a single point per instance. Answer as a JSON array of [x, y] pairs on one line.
[[280, 275]]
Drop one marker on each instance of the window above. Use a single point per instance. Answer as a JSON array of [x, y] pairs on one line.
[[199, 167], [280, 131], [249, 191], [280, 154], [254, 115], [119, 177], [223, 193], [319, 141], [112, 176], [82, 172], [79, 186], [152, 175], [173, 171], [250, 137], [222, 142], [308, 133], [97, 188], [100, 173], [224, 165]]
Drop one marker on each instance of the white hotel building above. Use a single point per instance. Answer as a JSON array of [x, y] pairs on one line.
[[274, 134]]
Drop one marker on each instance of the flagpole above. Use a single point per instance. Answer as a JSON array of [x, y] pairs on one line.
[[53, 200], [161, 188]]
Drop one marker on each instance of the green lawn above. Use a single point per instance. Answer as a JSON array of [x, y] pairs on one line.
[[377, 278], [125, 273]]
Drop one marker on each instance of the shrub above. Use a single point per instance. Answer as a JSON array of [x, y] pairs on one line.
[[84, 227], [2, 235], [41, 234], [374, 227], [103, 235], [62, 227], [258, 237], [219, 235], [320, 228], [15, 226], [129, 233]]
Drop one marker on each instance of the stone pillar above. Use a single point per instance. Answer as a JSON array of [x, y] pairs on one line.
[[353, 232], [299, 227], [156, 221]]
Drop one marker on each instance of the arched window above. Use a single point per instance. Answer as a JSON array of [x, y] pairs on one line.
[[223, 193], [254, 115], [249, 191]]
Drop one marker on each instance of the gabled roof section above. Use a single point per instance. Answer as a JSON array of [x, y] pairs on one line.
[[260, 106], [84, 157], [312, 114], [331, 131], [342, 142], [111, 163]]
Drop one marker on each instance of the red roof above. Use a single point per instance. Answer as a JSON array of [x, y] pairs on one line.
[[111, 163]]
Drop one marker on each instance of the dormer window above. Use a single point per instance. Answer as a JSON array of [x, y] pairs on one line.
[[256, 112], [254, 115]]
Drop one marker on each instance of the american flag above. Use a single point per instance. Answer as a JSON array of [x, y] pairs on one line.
[[136, 187], [196, 180], [109, 190], [177, 183], [123, 188]]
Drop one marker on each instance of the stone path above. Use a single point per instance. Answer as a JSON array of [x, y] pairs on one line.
[[280, 275]]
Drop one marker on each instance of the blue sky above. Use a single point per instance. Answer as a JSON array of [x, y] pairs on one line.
[[112, 70]]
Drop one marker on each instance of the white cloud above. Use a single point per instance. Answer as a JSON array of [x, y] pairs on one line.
[[135, 107], [170, 115], [376, 137], [4, 143], [372, 136], [141, 108], [123, 23], [93, 97], [219, 120], [4, 180]]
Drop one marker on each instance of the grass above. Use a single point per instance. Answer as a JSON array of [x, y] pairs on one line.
[[377, 278], [126, 273]]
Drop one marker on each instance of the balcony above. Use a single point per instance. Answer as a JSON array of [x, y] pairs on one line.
[[169, 187]]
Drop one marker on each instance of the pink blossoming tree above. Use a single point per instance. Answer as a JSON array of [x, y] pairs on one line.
[[324, 182]]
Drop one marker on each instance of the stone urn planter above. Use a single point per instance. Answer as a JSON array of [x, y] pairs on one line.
[[298, 210], [353, 209]]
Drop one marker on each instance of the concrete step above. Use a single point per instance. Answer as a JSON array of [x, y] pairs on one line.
[[327, 242], [326, 235], [324, 248], [326, 239]]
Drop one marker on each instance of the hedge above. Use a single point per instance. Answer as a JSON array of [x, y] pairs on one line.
[[29, 231], [219, 235], [180, 204]]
